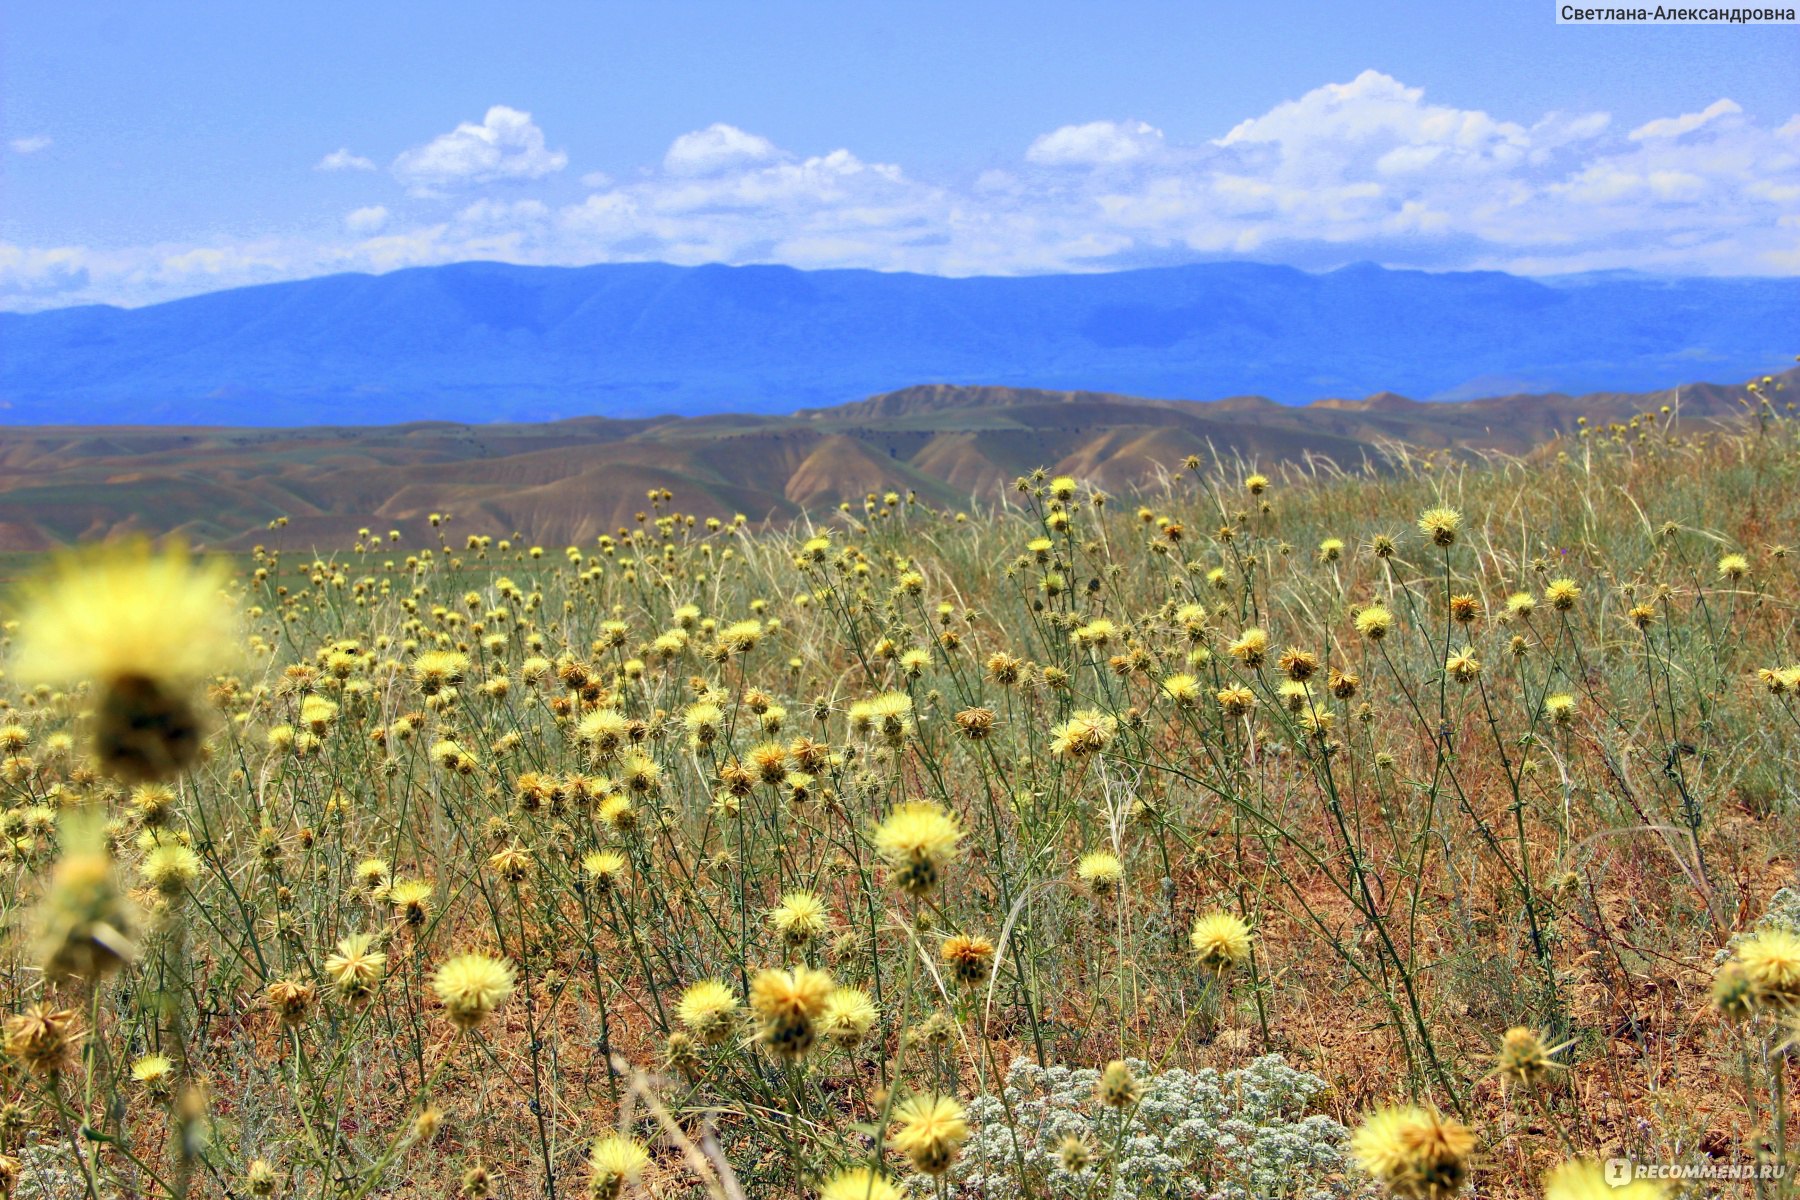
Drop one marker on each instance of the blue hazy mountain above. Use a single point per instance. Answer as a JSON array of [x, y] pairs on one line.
[[490, 341]]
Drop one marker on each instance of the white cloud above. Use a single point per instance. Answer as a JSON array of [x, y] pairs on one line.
[[716, 148], [1673, 127], [367, 219], [1098, 143], [506, 145], [342, 160], [32, 144], [1368, 169]]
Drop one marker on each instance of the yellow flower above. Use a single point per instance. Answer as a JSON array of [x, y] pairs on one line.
[[799, 918], [848, 1015], [1416, 1153], [969, 958], [471, 986], [1440, 525], [1221, 941], [930, 1131], [1772, 960], [1374, 622], [916, 840], [859, 1183], [614, 1162], [355, 969], [84, 920], [146, 628], [1733, 567], [787, 1004], [1562, 594], [1250, 648], [1101, 871], [1585, 1179], [709, 1010], [1085, 732]]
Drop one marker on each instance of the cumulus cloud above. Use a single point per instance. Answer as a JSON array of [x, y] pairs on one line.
[[716, 148], [507, 144], [1673, 127], [342, 160], [1098, 143], [31, 145], [367, 219], [1370, 168]]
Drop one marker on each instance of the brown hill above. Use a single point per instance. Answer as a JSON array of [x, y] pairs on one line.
[[568, 481]]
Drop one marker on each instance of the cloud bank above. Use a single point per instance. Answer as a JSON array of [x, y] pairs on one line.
[[1367, 169]]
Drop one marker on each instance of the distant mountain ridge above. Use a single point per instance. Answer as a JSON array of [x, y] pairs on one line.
[[477, 342], [565, 482]]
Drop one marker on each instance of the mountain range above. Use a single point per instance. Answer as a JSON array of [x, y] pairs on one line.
[[484, 342], [564, 482]]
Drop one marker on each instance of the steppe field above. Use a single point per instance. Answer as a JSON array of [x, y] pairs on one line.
[[1422, 830]]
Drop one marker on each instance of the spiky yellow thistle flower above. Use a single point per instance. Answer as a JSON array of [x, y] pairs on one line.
[[1256, 485], [147, 629], [615, 1161], [170, 868], [290, 999], [355, 968], [787, 1005], [1559, 707], [603, 867], [436, 671], [1562, 594], [1523, 1059], [800, 918], [1733, 567], [930, 1132], [84, 921], [1771, 958], [709, 1010], [1440, 525], [859, 1183], [42, 1038], [847, 1016], [916, 841], [1220, 940], [1118, 1087], [412, 899], [1374, 622], [1101, 871], [1086, 732], [969, 958], [155, 1073], [1236, 700], [1463, 666], [471, 986], [1250, 647], [1585, 1179], [1415, 1153]]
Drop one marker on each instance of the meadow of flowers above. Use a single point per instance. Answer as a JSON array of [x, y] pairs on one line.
[[1266, 834]]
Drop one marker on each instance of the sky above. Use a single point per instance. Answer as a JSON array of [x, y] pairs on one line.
[[151, 151]]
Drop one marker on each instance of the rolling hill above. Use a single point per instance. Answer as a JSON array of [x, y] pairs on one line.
[[484, 342], [568, 481]]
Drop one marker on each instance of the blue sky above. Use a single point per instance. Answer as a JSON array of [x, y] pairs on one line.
[[150, 151]]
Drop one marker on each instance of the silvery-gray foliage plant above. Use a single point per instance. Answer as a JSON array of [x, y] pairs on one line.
[[1243, 1134]]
